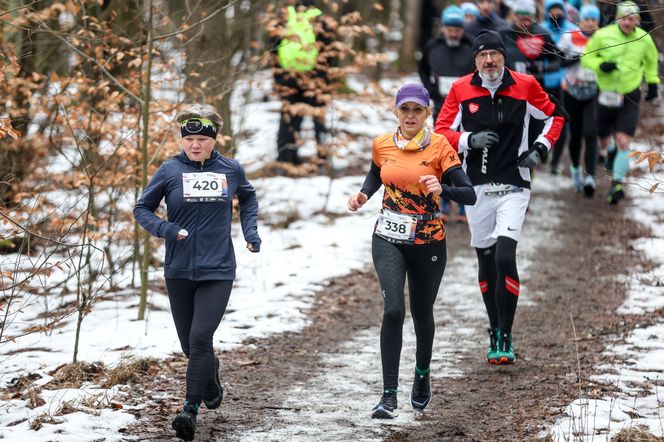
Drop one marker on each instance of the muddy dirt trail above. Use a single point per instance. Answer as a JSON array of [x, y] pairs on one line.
[[321, 383]]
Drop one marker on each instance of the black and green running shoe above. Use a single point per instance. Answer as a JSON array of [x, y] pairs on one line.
[[421, 393], [387, 407], [505, 351], [616, 193], [492, 350]]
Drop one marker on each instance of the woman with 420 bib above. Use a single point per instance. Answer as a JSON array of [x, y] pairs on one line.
[[198, 185]]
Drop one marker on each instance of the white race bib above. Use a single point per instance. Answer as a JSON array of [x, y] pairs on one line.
[[445, 84], [494, 189], [610, 99], [204, 187], [396, 226]]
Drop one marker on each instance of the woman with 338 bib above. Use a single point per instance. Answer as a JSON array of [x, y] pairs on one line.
[[198, 186], [409, 236]]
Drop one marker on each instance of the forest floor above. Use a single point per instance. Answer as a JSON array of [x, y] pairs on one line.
[[320, 383]]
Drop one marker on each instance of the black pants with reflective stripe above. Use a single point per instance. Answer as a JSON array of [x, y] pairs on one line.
[[424, 264], [197, 308]]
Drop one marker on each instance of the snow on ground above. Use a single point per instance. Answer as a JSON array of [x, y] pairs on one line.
[[275, 287], [640, 378], [349, 382], [272, 292]]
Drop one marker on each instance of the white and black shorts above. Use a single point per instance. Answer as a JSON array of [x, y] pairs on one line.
[[496, 215]]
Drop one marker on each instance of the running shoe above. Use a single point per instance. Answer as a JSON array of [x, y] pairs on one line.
[[492, 351], [589, 186], [505, 352], [577, 177], [184, 423], [214, 393], [387, 407], [555, 171], [421, 393], [616, 193]]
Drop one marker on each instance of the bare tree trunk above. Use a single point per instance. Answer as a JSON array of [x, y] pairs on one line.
[[145, 114], [658, 32], [411, 33]]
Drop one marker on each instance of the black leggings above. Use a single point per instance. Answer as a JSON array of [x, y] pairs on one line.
[[424, 264], [499, 282], [197, 308], [583, 122]]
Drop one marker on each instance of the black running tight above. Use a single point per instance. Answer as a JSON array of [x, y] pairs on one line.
[[424, 265], [582, 125], [197, 308], [499, 282]]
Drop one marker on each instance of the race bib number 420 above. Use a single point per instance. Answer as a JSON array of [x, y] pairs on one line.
[[204, 187], [396, 226]]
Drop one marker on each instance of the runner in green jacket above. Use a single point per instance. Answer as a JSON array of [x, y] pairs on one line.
[[621, 55]]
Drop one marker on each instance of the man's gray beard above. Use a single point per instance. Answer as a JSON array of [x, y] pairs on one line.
[[491, 76], [452, 43]]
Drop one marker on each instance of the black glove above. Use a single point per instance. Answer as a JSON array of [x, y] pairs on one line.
[[607, 66], [652, 92], [483, 140], [533, 156], [255, 247]]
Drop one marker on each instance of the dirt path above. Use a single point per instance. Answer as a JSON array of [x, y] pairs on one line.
[[321, 383]]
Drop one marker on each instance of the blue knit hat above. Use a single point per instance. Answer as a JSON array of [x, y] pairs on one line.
[[452, 16], [470, 8], [589, 11]]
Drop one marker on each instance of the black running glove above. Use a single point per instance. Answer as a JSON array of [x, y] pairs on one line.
[[533, 156], [483, 140], [607, 66], [652, 92]]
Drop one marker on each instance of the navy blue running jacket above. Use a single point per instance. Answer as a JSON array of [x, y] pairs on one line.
[[207, 253]]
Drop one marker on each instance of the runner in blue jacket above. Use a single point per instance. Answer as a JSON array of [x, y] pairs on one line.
[[198, 185]]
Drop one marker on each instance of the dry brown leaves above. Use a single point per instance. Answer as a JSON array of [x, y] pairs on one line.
[[637, 433]]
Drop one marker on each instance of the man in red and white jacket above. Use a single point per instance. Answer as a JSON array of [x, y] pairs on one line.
[[485, 117]]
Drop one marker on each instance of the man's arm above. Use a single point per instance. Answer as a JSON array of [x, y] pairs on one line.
[[650, 62], [591, 57], [449, 120], [542, 108], [424, 69]]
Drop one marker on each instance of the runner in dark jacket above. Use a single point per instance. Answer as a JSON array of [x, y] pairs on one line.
[[489, 19], [198, 186], [530, 49], [446, 58]]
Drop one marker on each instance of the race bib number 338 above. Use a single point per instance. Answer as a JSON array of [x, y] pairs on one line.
[[396, 226], [204, 187]]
